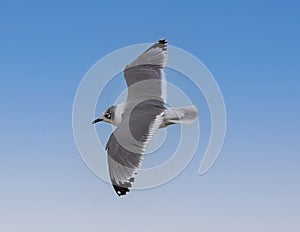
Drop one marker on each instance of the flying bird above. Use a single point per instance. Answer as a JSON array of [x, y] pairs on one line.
[[138, 119]]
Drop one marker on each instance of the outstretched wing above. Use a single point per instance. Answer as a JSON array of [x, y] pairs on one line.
[[142, 117], [126, 146], [145, 76]]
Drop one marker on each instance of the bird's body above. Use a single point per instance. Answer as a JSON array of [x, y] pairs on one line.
[[182, 115], [138, 119]]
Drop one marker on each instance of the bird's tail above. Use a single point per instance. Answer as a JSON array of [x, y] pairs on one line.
[[182, 115]]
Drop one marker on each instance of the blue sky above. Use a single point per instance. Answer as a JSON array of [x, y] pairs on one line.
[[251, 48]]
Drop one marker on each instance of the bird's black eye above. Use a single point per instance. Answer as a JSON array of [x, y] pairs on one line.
[[107, 115]]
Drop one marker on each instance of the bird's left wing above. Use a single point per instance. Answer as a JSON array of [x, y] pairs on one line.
[[145, 76], [126, 146]]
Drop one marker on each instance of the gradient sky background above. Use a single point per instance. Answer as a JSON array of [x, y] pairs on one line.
[[252, 49]]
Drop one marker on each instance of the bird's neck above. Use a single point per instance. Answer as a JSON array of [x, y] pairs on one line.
[[119, 110]]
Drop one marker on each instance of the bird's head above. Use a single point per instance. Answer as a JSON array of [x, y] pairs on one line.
[[108, 116]]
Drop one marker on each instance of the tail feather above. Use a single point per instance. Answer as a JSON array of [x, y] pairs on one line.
[[182, 115]]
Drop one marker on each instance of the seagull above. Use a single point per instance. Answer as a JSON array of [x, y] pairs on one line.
[[139, 118]]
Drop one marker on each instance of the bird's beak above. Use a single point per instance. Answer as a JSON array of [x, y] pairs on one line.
[[97, 120]]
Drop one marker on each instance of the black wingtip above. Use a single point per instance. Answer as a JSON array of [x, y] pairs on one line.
[[121, 191], [163, 41]]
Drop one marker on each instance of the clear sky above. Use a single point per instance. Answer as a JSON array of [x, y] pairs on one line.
[[251, 48]]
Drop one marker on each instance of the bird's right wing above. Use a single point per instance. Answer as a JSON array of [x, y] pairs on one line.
[[126, 146]]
